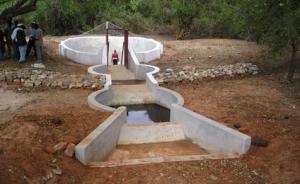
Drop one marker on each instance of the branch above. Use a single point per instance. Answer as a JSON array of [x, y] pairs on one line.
[[19, 8]]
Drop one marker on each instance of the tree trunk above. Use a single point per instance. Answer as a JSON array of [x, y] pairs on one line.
[[292, 63]]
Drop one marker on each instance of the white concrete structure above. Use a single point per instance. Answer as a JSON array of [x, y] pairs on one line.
[[208, 134], [88, 50]]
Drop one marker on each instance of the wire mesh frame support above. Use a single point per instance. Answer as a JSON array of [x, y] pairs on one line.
[[125, 44]]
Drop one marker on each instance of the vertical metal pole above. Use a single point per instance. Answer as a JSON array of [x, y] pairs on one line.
[[126, 48], [107, 44]]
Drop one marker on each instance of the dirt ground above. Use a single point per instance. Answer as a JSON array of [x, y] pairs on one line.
[[208, 53], [264, 108], [262, 105]]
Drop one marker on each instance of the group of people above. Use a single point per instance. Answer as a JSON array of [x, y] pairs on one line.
[[13, 41]]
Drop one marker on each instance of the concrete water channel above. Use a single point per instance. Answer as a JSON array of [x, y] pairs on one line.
[[155, 127]]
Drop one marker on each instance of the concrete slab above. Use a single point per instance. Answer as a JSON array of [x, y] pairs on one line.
[[154, 133], [138, 151], [119, 72]]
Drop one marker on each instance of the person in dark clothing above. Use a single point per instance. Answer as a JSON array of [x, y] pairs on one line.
[[19, 37], [31, 42], [7, 33], [2, 45], [15, 45]]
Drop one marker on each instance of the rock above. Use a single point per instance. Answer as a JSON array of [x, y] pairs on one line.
[[37, 83], [57, 171], [169, 70], [237, 125], [9, 77], [187, 68], [48, 176], [181, 73], [56, 121], [59, 147], [244, 130], [213, 177], [70, 150], [259, 141], [28, 84], [2, 77]]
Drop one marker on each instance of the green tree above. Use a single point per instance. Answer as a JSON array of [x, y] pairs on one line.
[[12, 8], [275, 23], [185, 13]]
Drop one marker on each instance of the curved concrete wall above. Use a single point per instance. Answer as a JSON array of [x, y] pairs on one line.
[[88, 50], [81, 51]]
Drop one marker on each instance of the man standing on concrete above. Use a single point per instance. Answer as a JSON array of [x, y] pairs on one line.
[[19, 37], [38, 36]]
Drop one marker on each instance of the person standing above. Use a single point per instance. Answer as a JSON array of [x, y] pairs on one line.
[[19, 37], [31, 42], [115, 58], [38, 36], [2, 45], [7, 33], [15, 45]]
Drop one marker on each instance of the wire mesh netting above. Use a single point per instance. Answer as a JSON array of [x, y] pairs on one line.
[[113, 30]]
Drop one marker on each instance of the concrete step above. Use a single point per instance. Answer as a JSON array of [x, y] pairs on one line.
[[131, 94], [127, 82], [119, 72], [150, 133]]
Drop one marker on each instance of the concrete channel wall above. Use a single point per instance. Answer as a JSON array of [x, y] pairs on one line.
[[209, 134], [153, 133], [101, 99], [98, 144], [82, 53]]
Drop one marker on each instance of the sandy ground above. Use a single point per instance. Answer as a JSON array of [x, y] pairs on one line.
[[262, 105]]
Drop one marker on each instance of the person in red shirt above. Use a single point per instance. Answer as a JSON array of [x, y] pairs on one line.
[[115, 58]]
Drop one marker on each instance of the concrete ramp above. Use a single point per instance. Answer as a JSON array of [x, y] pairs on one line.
[[119, 72]]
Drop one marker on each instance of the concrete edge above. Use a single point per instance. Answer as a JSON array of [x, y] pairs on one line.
[[156, 160], [95, 146]]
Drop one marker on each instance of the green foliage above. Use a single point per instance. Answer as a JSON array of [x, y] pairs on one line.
[[218, 18], [59, 17], [276, 23], [185, 12]]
